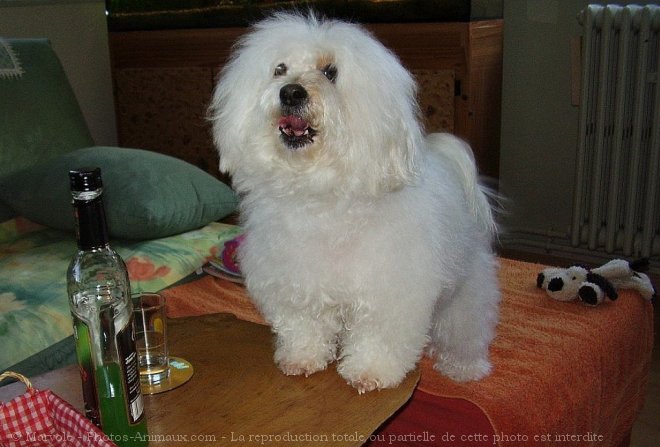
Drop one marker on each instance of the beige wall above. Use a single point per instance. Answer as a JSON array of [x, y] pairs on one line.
[[78, 33], [539, 124]]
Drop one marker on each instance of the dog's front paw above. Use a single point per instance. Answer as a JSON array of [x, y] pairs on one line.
[[364, 385], [300, 368], [298, 362], [461, 371], [305, 348], [365, 378]]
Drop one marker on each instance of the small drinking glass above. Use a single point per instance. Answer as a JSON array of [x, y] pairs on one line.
[[151, 337]]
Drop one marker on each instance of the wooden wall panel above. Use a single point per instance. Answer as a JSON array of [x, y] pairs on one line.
[[436, 99], [164, 109], [164, 79]]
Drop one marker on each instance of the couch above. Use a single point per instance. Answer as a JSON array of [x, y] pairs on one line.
[[162, 212]]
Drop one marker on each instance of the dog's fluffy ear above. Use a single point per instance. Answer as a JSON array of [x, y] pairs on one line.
[[233, 100], [228, 132], [406, 134], [383, 114]]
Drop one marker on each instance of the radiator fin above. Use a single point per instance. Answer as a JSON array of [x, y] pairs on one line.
[[616, 207]]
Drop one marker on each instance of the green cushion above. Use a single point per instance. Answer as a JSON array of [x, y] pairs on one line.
[[147, 195], [39, 114]]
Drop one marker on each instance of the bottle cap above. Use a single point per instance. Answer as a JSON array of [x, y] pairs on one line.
[[85, 179]]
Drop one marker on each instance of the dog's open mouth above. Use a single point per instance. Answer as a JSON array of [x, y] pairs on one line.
[[295, 131]]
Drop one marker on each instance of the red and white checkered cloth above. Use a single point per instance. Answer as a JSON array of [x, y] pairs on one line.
[[42, 419]]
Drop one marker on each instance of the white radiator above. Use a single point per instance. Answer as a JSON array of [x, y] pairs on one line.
[[617, 198]]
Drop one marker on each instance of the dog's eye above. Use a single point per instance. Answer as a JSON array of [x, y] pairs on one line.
[[330, 72], [280, 70]]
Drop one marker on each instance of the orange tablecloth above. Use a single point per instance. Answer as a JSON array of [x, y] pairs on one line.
[[563, 372]]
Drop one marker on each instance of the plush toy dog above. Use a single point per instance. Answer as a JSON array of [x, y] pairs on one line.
[[593, 286]]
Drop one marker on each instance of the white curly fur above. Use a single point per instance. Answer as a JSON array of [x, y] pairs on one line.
[[370, 241]]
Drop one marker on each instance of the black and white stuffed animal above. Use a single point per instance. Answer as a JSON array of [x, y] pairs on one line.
[[594, 286]]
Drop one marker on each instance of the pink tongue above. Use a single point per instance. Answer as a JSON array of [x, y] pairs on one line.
[[293, 125]]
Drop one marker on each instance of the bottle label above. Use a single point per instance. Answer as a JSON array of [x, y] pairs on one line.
[[129, 363], [101, 386]]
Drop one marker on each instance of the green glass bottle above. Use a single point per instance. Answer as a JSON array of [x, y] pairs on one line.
[[100, 301]]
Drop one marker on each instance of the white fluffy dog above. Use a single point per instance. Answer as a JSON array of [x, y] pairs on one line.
[[367, 241]]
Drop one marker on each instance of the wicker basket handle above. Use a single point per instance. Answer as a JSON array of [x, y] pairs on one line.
[[17, 376]]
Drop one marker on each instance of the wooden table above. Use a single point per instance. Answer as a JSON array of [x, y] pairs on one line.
[[237, 396]]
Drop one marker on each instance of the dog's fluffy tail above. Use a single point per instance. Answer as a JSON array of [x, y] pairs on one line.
[[458, 152]]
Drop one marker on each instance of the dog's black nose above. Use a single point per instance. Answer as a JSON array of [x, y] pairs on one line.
[[293, 95]]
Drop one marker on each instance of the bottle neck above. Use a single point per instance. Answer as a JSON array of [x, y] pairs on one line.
[[91, 228]]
